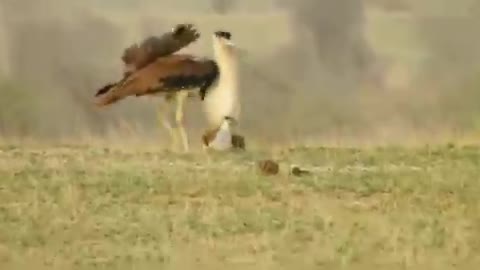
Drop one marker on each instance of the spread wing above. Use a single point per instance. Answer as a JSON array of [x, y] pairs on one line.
[[181, 36], [136, 57], [167, 74]]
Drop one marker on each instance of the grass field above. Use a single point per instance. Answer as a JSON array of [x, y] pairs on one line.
[[81, 207]]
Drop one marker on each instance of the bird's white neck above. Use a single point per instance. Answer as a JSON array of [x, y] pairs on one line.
[[225, 55], [223, 100]]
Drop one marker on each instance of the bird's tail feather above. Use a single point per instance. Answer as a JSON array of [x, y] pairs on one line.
[[106, 96]]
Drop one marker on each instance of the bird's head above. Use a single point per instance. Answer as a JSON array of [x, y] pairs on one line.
[[222, 44], [223, 38], [220, 34]]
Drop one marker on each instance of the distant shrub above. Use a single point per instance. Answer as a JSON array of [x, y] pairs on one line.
[[222, 6], [18, 109]]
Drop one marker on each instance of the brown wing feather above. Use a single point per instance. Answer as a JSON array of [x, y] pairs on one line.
[[167, 74], [181, 36], [136, 57]]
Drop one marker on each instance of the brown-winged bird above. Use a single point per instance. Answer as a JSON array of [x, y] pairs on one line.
[[174, 76]]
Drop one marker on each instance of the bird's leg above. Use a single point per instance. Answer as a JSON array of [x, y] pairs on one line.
[[180, 97], [163, 117]]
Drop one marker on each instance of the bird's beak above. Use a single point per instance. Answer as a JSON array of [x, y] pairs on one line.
[[230, 43]]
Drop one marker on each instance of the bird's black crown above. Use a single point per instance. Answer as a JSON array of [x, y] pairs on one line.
[[223, 34]]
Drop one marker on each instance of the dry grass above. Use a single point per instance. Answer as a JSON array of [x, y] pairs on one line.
[[117, 205], [83, 207]]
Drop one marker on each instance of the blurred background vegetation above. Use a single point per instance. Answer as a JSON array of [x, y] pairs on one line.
[[376, 70]]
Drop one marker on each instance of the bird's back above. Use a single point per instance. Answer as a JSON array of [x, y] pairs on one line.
[[165, 75]]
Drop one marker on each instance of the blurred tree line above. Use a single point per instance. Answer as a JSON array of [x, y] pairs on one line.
[[222, 6], [52, 79]]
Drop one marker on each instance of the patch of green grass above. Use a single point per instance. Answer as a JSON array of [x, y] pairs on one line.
[[79, 207]]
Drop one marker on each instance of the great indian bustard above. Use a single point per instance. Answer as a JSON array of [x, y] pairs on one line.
[[173, 76], [222, 105]]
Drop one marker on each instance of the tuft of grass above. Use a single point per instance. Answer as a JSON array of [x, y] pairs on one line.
[[80, 207]]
